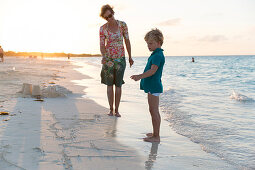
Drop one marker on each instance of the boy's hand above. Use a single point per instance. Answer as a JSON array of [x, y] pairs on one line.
[[135, 77]]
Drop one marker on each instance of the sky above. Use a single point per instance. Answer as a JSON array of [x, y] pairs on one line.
[[190, 27]]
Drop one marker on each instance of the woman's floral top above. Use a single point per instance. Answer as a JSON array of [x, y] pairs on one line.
[[114, 41], [115, 53]]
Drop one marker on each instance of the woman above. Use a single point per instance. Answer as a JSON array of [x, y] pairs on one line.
[[113, 52]]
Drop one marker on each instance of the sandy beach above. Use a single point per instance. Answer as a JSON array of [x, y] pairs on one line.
[[60, 133], [74, 132]]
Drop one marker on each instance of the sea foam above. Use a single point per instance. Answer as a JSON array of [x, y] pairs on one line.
[[239, 97]]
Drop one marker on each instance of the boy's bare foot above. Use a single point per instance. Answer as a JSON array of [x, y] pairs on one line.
[[117, 114], [149, 134], [111, 113], [152, 139]]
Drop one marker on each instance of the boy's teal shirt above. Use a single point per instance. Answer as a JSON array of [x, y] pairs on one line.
[[153, 83]]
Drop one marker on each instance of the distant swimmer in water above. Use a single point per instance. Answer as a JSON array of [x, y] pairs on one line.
[[193, 60]]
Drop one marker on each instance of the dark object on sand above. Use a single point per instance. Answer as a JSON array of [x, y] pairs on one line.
[[39, 100]]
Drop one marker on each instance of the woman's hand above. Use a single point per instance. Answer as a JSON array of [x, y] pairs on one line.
[[131, 61], [103, 61], [136, 77]]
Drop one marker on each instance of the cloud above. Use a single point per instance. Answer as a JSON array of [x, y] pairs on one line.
[[170, 22], [213, 38]]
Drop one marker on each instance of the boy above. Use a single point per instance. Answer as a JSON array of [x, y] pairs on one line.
[[151, 80]]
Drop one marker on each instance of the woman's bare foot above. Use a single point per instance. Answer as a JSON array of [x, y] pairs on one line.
[[111, 113], [117, 114], [149, 134], [152, 139]]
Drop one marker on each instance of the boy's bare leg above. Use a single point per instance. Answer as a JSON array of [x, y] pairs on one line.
[[110, 99], [117, 100], [155, 117]]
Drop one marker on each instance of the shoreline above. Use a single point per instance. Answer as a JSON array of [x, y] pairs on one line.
[[174, 151], [76, 133]]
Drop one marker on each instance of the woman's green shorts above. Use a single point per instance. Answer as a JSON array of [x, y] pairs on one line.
[[113, 72]]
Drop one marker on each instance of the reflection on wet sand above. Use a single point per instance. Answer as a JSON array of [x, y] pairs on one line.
[[152, 156], [111, 130]]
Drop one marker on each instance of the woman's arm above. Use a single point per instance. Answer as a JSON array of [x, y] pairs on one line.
[[102, 50], [128, 47], [102, 45], [103, 53], [148, 73], [127, 42]]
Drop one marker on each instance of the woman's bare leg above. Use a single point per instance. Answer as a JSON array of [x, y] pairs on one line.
[[117, 100], [153, 102], [110, 99]]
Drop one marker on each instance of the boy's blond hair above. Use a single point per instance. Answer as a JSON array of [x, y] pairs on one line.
[[156, 35]]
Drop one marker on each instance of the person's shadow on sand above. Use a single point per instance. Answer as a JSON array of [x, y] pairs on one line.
[[20, 139], [152, 156]]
